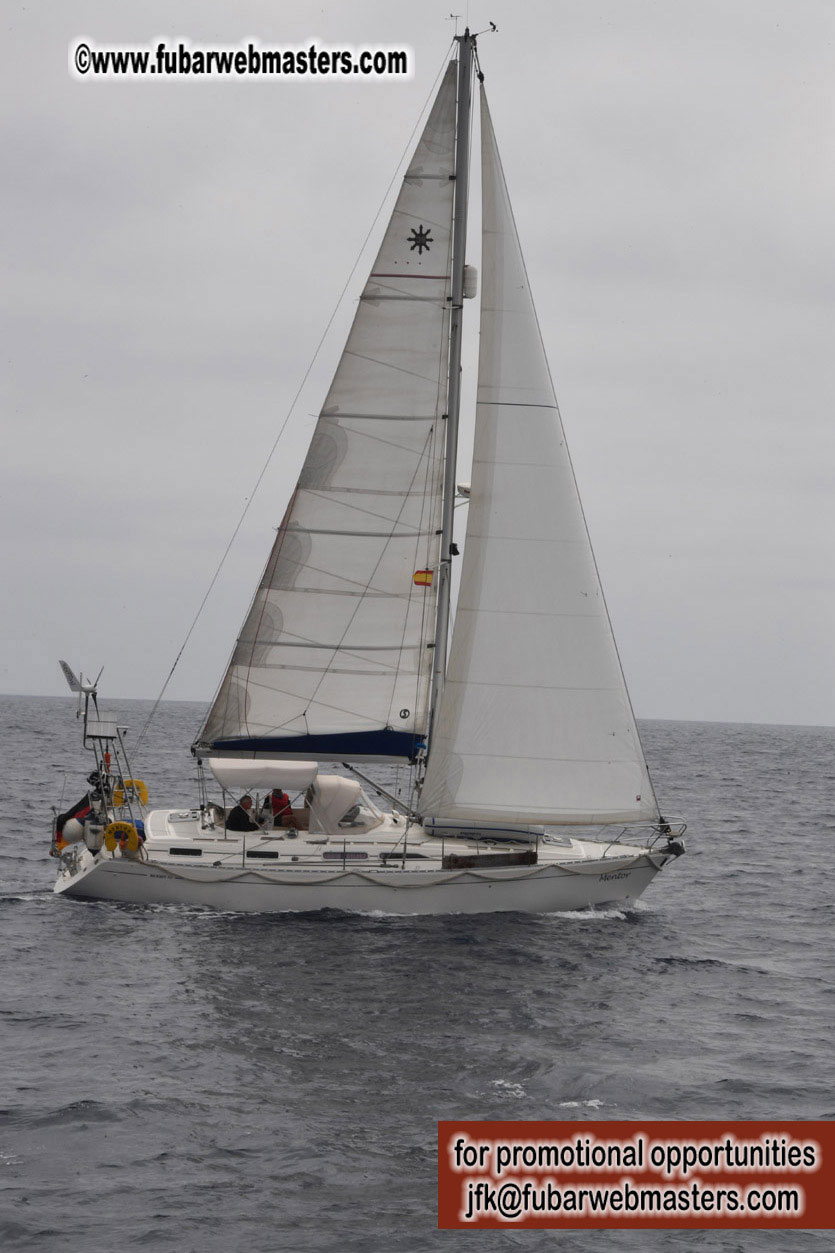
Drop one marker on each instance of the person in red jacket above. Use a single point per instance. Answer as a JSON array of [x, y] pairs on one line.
[[280, 807]]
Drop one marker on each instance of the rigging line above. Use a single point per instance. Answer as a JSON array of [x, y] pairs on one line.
[[303, 714], [475, 365], [443, 638], [426, 450], [313, 360], [368, 513], [432, 490], [387, 443], [426, 600], [389, 365], [355, 583]]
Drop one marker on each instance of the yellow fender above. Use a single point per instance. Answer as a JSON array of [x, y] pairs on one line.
[[137, 786], [124, 834]]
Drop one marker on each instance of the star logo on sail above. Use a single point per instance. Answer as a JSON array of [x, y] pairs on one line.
[[420, 239]]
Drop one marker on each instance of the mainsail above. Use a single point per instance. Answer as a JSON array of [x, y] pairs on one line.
[[334, 657], [534, 722]]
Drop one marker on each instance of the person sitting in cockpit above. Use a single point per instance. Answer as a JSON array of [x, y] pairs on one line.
[[277, 807], [238, 818]]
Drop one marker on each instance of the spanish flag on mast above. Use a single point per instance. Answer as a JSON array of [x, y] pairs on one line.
[[423, 578]]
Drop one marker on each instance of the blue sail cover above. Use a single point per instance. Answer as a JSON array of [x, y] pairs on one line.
[[383, 745]]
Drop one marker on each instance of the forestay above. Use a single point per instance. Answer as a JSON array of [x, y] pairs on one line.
[[534, 722], [333, 658]]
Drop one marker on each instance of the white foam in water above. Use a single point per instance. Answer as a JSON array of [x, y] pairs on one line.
[[585, 915], [507, 1088]]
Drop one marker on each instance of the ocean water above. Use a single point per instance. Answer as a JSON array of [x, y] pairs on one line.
[[189, 1080]]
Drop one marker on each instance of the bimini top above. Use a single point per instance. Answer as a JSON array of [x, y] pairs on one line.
[[239, 774]]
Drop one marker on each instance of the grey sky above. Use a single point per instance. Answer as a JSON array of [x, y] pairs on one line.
[[173, 251]]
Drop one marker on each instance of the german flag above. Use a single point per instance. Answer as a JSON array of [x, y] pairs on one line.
[[423, 578]]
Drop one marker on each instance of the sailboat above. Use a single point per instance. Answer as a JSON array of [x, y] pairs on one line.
[[528, 788]]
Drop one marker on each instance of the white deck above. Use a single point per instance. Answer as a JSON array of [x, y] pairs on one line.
[[280, 870]]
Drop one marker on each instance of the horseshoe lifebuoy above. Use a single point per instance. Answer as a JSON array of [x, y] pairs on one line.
[[137, 786], [124, 834]]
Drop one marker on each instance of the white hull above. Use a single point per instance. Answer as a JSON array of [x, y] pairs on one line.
[[540, 891], [568, 876]]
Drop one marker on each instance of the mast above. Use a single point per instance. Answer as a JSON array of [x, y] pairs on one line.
[[466, 44]]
